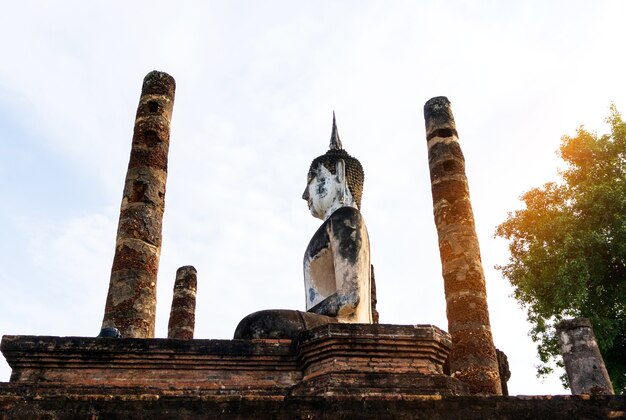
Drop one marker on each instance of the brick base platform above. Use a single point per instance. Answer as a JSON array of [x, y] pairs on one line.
[[333, 371], [333, 359]]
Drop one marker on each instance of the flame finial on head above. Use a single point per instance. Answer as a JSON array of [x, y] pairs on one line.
[[335, 142]]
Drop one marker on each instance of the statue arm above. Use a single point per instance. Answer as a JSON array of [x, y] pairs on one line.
[[337, 304], [329, 306]]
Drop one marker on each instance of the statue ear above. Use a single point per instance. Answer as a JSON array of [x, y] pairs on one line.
[[341, 177]]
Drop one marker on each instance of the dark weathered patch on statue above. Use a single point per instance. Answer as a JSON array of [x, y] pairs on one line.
[[320, 189], [329, 306], [346, 226], [319, 241]]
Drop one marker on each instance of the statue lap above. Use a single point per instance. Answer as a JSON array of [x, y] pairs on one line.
[[279, 323]]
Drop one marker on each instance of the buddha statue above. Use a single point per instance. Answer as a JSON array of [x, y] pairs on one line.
[[337, 260]]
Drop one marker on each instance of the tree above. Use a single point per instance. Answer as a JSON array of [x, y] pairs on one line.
[[568, 248]]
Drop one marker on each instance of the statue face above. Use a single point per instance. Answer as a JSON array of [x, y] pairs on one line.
[[322, 192]]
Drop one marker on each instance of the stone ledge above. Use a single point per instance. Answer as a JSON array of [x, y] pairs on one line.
[[81, 352], [382, 384], [211, 364], [378, 331]]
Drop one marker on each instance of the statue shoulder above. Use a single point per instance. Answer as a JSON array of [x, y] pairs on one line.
[[347, 220], [346, 213]]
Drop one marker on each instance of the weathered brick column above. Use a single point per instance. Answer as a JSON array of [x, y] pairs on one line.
[[473, 356], [373, 297], [584, 365], [183, 313], [131, 301]]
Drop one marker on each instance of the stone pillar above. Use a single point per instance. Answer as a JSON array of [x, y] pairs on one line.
[[183, 313], [504, 371], [131, 301], [473, 356], [374, 299], [583, 362]]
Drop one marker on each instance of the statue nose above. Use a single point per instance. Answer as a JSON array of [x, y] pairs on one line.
[[305, 194]]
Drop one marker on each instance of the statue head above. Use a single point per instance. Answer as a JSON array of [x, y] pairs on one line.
[[335, 180]]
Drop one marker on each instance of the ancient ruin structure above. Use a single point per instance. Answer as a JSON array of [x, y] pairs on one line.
[[285, 364], [584, 365], [131, 301], [337, 269], [473, 357], [183, 313]]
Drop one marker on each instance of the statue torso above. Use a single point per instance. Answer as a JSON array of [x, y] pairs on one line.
[[337, 261]]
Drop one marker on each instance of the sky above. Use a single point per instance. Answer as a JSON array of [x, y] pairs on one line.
[[257, 83]]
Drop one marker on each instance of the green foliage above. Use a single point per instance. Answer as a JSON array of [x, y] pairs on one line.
[[568, 247]]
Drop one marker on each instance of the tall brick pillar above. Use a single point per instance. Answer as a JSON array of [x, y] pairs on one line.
[[131, 301], [473, 356]]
